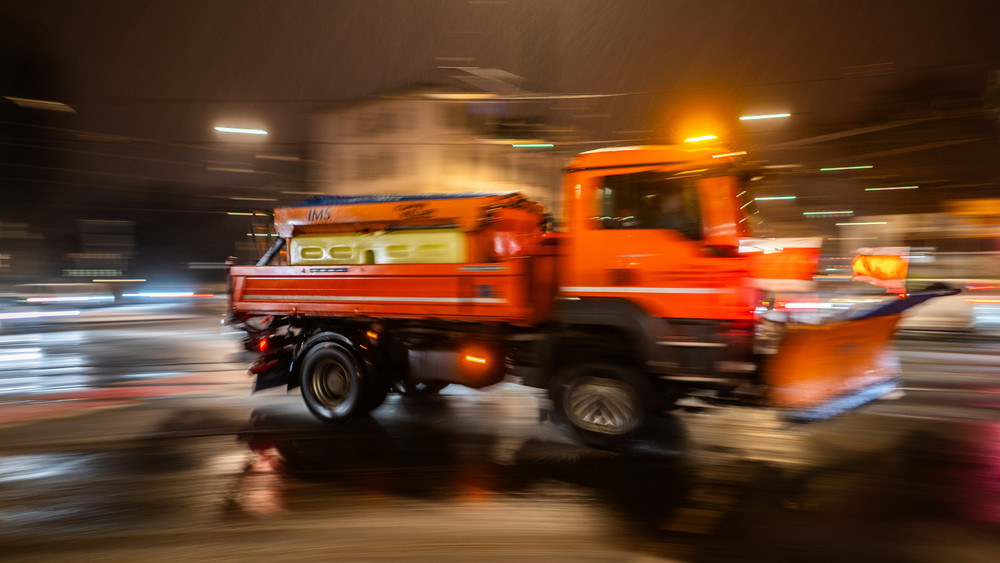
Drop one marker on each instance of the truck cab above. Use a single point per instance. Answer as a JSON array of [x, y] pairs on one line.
[[652, 286]]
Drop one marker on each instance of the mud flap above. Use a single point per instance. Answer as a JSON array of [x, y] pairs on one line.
[[272, 370], [274, 376], [823, 370]]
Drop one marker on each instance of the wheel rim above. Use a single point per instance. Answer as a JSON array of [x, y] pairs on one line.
[[331, 383], [602, 405]]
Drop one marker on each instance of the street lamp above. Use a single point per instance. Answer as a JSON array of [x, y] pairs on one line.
[[700, 139], [764, 116], [240, 130]]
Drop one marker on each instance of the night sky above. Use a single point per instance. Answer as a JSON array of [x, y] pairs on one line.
[[152, 78]]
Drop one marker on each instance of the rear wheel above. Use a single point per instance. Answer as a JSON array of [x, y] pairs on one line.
[[332, 384], [605, 403]]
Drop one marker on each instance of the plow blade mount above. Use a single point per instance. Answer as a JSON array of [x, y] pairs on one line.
[[822, 370]]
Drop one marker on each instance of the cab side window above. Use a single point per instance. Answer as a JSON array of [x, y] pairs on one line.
[[649, 200]]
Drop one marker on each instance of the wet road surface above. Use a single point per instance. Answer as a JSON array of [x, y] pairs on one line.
[[140, 441]]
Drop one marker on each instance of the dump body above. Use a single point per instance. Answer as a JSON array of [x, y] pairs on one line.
[[471, 292], [459, 257]]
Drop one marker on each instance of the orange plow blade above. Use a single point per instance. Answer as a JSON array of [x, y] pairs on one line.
[[819, 366], [822, 370]]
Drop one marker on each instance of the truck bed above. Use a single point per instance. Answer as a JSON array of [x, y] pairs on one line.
[[491, 292]]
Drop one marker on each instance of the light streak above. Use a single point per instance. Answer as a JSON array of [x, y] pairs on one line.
[[161, 294], [37, 314], [836, 168], [70, 298], [764, 116], [240, 130]]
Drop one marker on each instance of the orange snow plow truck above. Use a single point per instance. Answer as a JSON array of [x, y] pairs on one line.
[[644, 298]]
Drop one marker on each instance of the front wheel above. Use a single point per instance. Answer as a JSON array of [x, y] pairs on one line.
[[332, 384], [605, 403]]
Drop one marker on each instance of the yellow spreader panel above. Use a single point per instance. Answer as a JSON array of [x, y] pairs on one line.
[[437, 246]]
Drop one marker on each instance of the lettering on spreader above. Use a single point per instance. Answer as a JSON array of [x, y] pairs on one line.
[[319, 214]]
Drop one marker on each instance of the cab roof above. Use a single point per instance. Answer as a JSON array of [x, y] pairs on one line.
[[652, 155]]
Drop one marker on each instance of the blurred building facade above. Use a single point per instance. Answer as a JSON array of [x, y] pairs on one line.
[[434, 139], [22, 256], [106, 247]]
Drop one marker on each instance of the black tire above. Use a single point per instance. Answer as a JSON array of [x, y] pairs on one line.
[[332, 383], [606, 403]]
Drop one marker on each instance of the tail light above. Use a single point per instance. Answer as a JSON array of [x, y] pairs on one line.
[[268, 343]]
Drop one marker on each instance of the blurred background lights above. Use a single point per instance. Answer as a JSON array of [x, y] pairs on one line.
[[764, 116], [45, 105], [240, 130], [838, 168]]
